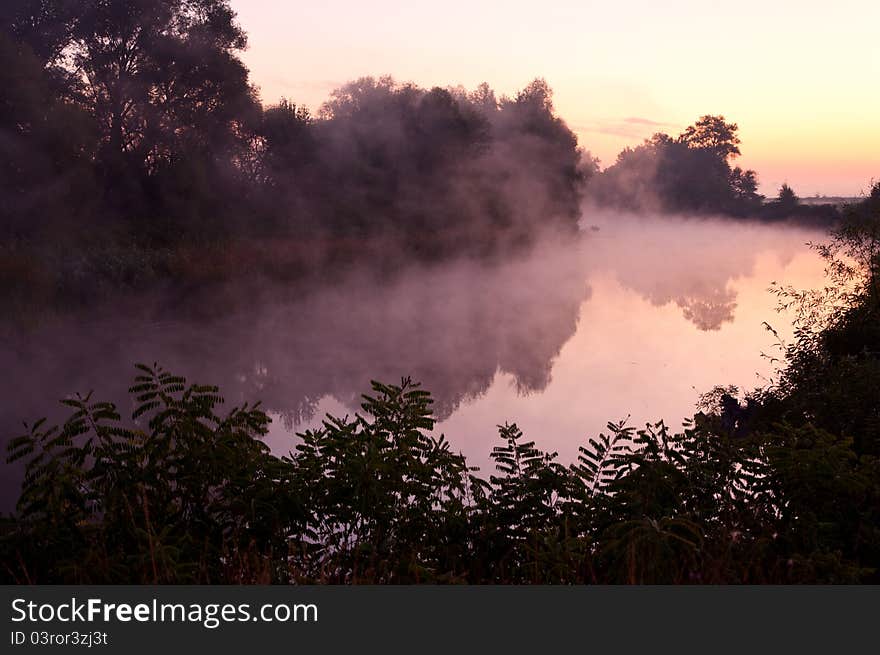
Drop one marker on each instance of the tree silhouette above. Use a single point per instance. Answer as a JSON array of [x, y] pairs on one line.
[[787, 199], [163, 81], [714, 134], [690, 173]]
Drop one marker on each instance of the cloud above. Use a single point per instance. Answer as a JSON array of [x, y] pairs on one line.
[[632, 127], [635, 120]]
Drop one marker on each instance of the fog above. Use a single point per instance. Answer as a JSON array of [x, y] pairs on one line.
[[636, 317]]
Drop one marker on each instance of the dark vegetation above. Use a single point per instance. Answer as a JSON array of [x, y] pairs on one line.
[[135, 152], [135, 155], [692, 174], [782, 486]]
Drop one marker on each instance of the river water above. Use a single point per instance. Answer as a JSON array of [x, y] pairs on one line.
[[636, 318]]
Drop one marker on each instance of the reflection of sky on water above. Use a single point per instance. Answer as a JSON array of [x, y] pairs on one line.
[[673, 309], [638, 318]]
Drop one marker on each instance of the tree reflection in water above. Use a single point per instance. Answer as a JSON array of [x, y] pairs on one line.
[[454, 327]]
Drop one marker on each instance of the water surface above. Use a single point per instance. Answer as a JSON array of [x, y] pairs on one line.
[[637, 318]]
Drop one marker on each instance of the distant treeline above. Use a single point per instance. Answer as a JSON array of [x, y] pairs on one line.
[[134, 152], [781, 486], [692, 174]]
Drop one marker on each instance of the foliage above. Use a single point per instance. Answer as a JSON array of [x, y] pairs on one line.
[[687, 174], [157, 108], [129, 129], [832, 364], [692, 174], [181, 494], [186, 495], [714, 134], [386, 501]]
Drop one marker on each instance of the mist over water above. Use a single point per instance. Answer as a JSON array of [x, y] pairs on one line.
[[637, 317]]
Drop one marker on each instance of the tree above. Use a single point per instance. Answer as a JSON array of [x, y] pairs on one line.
[[713, 133], [787, 198], [289, 141], [46, 147], [158, 75], [536, 94], [44, 26], [690, 173], [483, 97], [745, 187]]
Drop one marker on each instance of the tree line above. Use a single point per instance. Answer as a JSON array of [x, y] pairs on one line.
[[135, 153], [693, 174], [139, 115]]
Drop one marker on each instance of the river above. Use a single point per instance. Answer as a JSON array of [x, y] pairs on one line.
[[634, 319]]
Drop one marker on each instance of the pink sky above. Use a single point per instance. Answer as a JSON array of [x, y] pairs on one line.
[[800, 78]]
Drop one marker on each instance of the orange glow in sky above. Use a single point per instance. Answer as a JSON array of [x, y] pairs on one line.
[[800, 78]]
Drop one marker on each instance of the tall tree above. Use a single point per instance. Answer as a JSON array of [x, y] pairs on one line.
[[46, 145], [715, 134], [160, 74], [44, 26]]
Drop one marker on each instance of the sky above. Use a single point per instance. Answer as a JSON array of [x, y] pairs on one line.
[[801, 79]]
